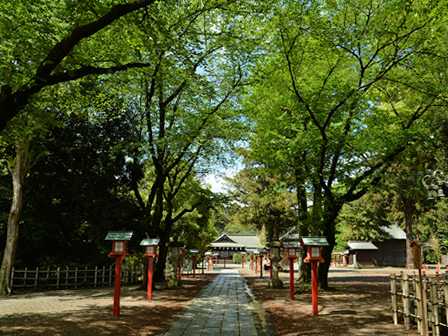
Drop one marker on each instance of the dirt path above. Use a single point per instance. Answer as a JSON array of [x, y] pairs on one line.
[[89, 311], [358, 305]]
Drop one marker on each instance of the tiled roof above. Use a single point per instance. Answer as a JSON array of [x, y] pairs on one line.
[[361, 245]]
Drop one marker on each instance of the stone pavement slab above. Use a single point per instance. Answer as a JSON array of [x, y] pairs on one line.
[[222, 308]]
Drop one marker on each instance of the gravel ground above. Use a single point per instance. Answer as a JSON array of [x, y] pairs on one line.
[[358, 305], [89, 311]]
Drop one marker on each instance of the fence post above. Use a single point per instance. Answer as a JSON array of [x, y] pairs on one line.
[[24, 277], [393, 292], [418, 297], [76, 277], [47, 276], [103, 275], [58, 276], [435, 308], [66, 276], [110, 275], [12, 278], [36, 277], [406, 300], [96, 276], [445, 292]]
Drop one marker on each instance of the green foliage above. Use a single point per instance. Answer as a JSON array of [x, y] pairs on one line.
[[261, 200], [78, 193], [237, 258]]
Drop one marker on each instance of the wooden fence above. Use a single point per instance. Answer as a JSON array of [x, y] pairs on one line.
[[60, 278], [406, 301]]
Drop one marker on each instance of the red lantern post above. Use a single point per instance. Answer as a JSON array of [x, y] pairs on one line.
[[209, 255], [256, 261], [314, 256], [119, 250], [242, 258], [291, 254], [194, 254], [150, 253], [252, 262]]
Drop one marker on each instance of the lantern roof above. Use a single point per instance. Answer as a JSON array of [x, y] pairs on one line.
[[314, 241], [119, 235], [149, 242], [194, 251], [291, 244]]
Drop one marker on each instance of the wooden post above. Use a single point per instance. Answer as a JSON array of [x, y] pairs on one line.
[[423, 304], [435, 308], [314, 287], [58, 277], [95, 281], [393, 293], [445, 292], [24, 277], [76, 277], [36, 277], [85, 275], [406, 300], [150, 262], [48, 276], [291, 278], [66, 276], [116, 309]]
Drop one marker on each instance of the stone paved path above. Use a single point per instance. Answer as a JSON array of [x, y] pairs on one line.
[[222, 308]]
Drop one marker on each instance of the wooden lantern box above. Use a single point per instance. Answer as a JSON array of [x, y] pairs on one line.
[[292, 248], [119, 244], [150, 247], [314, 248]]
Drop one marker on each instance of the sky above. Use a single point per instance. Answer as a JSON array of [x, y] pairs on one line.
[[216, 180]]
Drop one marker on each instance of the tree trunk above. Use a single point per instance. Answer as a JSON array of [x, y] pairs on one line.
[[329, 233], [408, 207], [18, 171]]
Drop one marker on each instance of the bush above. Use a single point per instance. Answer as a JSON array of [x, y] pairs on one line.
[[237, 258]]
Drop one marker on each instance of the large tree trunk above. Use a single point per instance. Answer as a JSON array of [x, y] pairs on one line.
[[18, 171], [408, 207], [329, 233]]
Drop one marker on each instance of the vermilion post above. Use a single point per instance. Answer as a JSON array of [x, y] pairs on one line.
[[224, 257], [179, 271], [261, 266], [291, 278], [116, 310], [256, 265], [150, 262], [252, 263], [242, 263], [194, 267], [314, 287]]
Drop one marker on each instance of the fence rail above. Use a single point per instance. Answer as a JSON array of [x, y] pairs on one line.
[[59, 278], [406, 298]]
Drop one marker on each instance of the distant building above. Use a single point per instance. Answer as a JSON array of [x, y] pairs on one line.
[[389, 251], [392, 250], [228, 244]]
